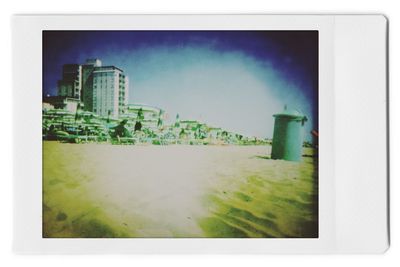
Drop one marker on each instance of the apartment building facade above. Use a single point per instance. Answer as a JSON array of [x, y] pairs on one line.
[[101, 89]]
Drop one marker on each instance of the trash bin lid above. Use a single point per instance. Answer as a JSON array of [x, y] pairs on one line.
[[291, 114]]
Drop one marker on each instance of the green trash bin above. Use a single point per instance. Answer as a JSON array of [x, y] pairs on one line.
[[287, 142]]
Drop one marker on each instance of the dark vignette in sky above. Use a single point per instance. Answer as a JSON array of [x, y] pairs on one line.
[[234, 78]]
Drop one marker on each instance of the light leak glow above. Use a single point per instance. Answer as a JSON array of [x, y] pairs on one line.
[[223, 89]]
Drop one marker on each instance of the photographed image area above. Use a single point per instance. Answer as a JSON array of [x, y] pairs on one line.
[[189, 134]]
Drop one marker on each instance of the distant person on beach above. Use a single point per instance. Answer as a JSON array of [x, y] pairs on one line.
[[121, 131], [138, 126]]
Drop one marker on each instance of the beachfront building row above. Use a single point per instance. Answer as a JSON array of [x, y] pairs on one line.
[[150, 117], [102, 90], [92, 101], [141, 124]]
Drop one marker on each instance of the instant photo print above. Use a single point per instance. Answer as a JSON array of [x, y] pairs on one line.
[[200, 134]]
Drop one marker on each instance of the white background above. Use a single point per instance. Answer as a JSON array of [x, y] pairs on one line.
[[7, 258]]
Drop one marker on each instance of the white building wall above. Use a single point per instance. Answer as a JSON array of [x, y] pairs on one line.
[[106, 92], [115, 94], [126, 91], [78, 88]]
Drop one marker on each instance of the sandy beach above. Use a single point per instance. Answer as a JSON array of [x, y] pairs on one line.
[[103, 190]]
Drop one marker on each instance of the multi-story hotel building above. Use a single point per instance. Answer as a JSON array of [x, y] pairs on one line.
[[110, 91], [87, 82], [102, 89], [71, 83]]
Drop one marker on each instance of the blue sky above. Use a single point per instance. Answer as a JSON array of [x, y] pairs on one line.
[[231, 79]]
